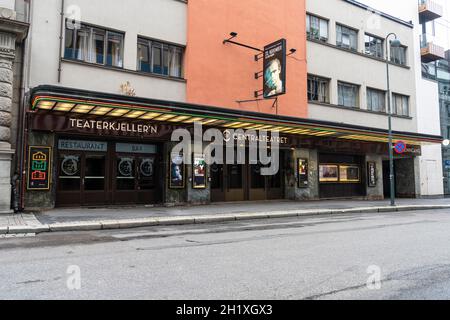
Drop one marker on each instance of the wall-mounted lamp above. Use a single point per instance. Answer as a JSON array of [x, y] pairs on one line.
[[232, 36]]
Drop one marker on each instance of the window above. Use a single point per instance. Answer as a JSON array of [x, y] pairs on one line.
[[374, 46], [316, 28], [348, 95], [398, 55], [376, 100], [318, 89], [89, 44], [346, 37], [400, 104], [160, 58]]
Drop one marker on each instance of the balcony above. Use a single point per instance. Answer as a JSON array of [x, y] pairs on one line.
[[429, 10], [429, 50]]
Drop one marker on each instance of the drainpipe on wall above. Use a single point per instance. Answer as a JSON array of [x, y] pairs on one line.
[[61, 40], [24, 103]]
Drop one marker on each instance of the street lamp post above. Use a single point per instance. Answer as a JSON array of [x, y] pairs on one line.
[[393, 44]]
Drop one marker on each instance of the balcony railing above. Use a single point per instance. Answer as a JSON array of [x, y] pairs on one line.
[[429, 50], [430, 10]]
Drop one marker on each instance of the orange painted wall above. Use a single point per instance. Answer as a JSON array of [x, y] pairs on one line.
[[219, 74]]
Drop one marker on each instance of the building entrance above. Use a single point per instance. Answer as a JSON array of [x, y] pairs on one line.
[[92, 173], [245, 183]]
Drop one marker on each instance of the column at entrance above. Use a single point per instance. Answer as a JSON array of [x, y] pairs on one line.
[[7, 54]]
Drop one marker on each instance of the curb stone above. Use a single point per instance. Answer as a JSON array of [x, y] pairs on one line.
[[186, 220]]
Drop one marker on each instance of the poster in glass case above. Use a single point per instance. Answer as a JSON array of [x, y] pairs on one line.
[[199, 172], [328, 173], [177, 172], [349, 173], [302, 167]]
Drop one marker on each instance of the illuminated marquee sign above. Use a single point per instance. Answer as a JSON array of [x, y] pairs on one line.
[[39, 168]]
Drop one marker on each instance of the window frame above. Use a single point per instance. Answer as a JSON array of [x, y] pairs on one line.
[[309, 34], [394, 104], [310, 77], [377, 91], [392, 57], [150, 44], [357, 100], [340, 44], [369, 35], [91, 27]]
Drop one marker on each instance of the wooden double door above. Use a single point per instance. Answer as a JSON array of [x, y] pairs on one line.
[[244, 182], [107, 178]]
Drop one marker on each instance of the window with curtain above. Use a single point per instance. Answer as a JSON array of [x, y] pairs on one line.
[[160, 58], [398, 55], [374, 46], [318, 89], [400, 104], [94, 45], [346, 37], [316, 28], [376, 100], [115, 50], [348, 95]]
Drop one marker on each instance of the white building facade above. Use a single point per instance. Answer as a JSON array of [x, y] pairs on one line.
[[348, 57]]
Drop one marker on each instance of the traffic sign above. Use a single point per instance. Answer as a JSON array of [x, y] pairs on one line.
[[400, 147]]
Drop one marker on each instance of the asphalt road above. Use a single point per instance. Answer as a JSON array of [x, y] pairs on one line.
[[326, 257]]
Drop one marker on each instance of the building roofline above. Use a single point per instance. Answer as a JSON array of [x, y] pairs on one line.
[[383, 14]]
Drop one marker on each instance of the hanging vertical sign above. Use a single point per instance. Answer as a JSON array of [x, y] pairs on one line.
[[372, 174], [274, 73], [39, 168]]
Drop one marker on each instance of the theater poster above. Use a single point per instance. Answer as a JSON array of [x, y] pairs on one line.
[[274, 73]]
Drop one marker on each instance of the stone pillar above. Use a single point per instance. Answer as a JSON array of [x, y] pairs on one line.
[[293, 192], [7, 55], [376, 192]]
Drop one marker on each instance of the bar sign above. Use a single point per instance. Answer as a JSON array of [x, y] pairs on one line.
[[39, 168]]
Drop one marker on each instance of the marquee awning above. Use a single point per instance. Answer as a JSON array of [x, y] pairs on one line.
[[88, 103]]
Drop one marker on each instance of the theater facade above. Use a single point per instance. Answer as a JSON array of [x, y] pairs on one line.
[[88, 149]]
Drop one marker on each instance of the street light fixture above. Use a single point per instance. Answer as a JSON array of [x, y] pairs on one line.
[[393, 44]]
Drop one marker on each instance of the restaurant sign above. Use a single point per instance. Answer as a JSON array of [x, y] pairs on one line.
[[81, 145]]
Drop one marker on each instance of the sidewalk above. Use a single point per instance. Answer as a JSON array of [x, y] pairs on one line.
[[79, 219]]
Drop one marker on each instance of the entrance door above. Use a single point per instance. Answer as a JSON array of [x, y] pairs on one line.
[[81, 179], [245, 182], [135, 179], [228, 183]]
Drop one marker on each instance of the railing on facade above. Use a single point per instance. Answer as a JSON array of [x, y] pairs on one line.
[[430, 10]]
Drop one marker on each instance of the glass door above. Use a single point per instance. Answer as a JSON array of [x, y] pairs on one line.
[[147, 179], [94, 179], [136, 174], [69, 179]]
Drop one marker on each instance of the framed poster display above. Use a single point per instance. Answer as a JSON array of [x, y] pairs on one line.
[[349, 174], [328, 173], [177, 172], [302, 173], [199, 172]]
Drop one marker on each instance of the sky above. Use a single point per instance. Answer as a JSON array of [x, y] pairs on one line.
[[397, 9]]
